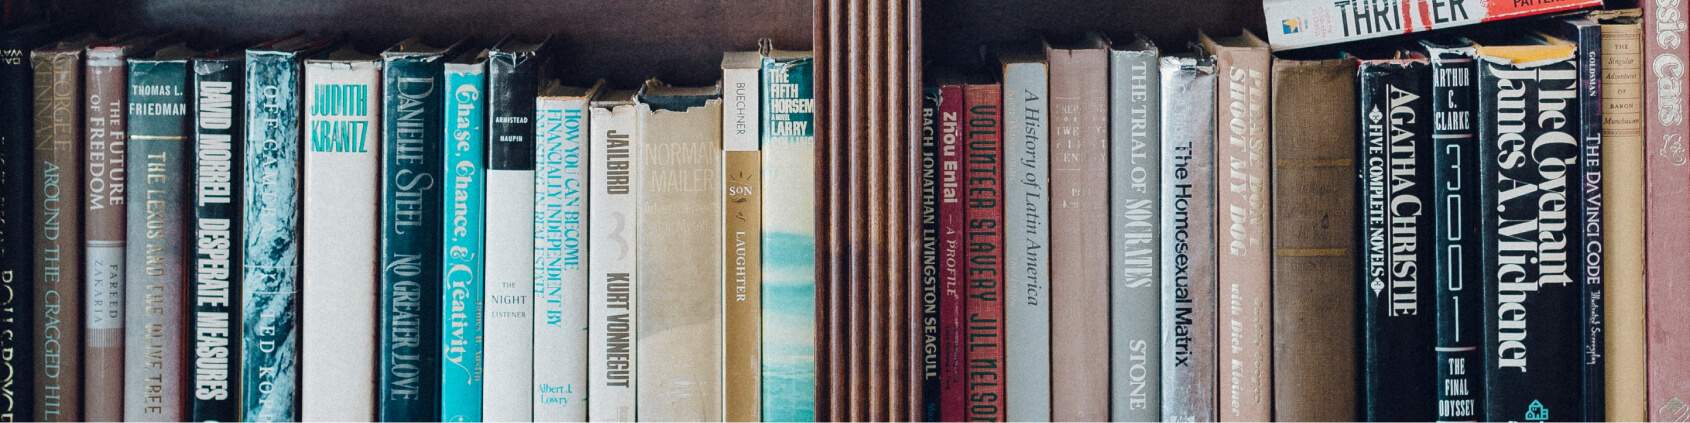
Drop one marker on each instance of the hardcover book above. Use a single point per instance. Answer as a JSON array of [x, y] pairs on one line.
[[1243, 62], [156, 266], [680, 332], [952, 359], [1135, 233], [1025, 188], [1458, 304], [1295, 24], [512, 79], [57, 209], [218, 167], [270, 220], [1528, 118], [1625, 346], [742, 253], [1314, 240], [1079, 222], [1667, 199], [341, 202], [413, 108], [1397, 329], [788, 236], [1188, 259], [463, 237], [927, 336], [560, 252], [983, 195], [612, 179], [1585, 35], [17, 223]]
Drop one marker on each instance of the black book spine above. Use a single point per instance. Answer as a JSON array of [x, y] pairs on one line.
[[1459, 301], [1397, 230], [513, 84], [1588, 35], [17, 225], [216, 359], [1528, 124], [410, 243], [929, 296]]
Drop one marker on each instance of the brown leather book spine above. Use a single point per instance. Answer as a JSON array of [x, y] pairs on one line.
[[1622, 185], [1241, 155], [1079, 179], [107, 139], [58, 240], [1313, 183], [1668, 200]]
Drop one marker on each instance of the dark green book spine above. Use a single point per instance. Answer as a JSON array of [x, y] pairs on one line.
[[214, 366], [17, 226], [156, 281], [410, 242], [1459, 302], [270, 248]]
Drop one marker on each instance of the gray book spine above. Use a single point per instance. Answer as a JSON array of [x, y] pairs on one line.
[[1135, 227], [1027, 238], [1188, 262]]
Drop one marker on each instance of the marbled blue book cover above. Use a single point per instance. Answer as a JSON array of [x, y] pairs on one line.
[[789, 238], [465, 238], [269, 287]]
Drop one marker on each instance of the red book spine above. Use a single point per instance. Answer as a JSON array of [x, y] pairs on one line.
[[984, 246], [1668, 208], [952, 395]]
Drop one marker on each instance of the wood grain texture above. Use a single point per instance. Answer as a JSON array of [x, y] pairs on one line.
[[856, 282], [875, 186], [912, 149], [896, 230]]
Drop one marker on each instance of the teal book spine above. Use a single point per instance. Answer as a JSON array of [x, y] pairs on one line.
[[464, 243], [270, 277], [157, 275], [412, 87], [789, 239]]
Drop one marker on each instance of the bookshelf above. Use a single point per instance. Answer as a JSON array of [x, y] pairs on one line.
[[953, 30]]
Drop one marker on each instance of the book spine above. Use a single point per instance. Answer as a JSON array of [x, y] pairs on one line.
[[106, 179], [1623, 180], [156, 304], [270, 246], [509, 349], [929, 219], [1530, 170], [1188, 262], [1590, 212], [1307, 23], [560, 286], [218, 159], [952, 366], [742, 217], [1079, 237], [680, 336], [17, 223], [1241, 146], [611, 350], [412, 114], [58, 240], [1456, 304], [1135, 229], [983, 187], [1026, 240], [463, 249], [338, 234], [1666, 55], [789, 239]]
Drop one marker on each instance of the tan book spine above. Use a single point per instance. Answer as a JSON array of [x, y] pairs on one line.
[[58, 242], [106, 179], [1622, 182], [1241, 158], [1314, 370], [1079, 236], [742, 199]]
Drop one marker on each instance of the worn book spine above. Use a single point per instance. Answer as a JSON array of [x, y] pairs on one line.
[[1295, 24], [1666, 51], [156, 269], [1397, 332], [742, 210], [508, 381], [678, 237], [106, 179], [611, 349], [1587, 35], [1458, 302], [1188, 261], [1079, 236], [952, 364], [338, 234], [1241, 155], [928, 318], [1625, 346], [983, 241], [1025, 184], [463, 241], [1529, 162], [270, 246], [412, 114], [1314, 241], [560, 268], [17, 223], [1135, 191], [58, 240], [789, 240], [218, 158]]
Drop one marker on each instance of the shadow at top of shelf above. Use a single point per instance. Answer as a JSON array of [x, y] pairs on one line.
[[954, 28]]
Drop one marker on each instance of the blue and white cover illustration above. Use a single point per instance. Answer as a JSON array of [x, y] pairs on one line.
[[789, 240]]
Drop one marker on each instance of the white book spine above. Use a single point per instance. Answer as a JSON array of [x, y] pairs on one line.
[[560, 266], [509, 302], [1027, 240], [340, 280], [612, 182]]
